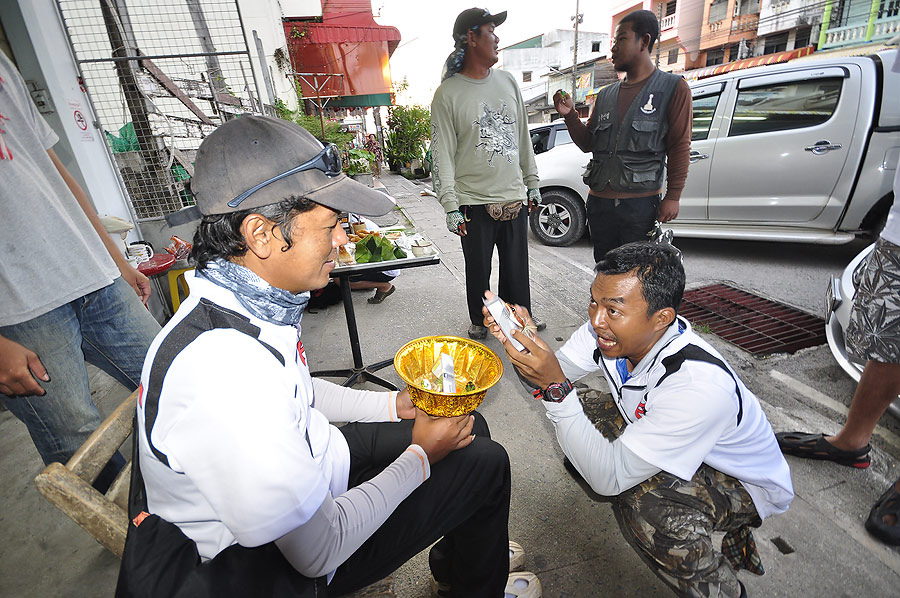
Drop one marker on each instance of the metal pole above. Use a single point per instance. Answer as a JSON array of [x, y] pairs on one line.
[[321, 114], [659, 21], [873, 16], [575, 53]]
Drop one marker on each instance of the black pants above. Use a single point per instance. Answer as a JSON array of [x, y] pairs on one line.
[[466, 500], [615, 222], [511, 239]]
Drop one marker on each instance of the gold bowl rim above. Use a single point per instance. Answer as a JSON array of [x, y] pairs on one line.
[[453, 338]]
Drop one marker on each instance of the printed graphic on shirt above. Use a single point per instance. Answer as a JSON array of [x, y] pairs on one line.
[[649, 108], [435, 167], [497, 133]]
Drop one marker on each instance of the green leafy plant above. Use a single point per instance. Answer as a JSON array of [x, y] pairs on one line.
[[358, 161], [410, 128]]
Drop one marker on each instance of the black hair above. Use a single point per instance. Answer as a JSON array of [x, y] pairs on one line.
[[643, 22], [657, 265], [219, 235]]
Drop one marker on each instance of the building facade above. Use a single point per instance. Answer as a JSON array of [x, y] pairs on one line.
[[678, 48], [529, 61]]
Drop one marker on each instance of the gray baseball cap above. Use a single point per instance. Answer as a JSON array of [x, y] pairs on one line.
[[255, 161]]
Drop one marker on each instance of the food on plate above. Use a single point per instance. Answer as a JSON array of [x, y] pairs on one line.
[[375, 248], [344, 256]]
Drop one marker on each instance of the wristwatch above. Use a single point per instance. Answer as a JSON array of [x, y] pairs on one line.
[[555, 393]]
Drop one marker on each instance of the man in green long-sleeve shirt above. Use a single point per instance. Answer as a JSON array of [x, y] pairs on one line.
[[483, 164]]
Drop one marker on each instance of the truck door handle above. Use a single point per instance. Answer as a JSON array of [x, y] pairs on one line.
[[823, 147], [697, 156]]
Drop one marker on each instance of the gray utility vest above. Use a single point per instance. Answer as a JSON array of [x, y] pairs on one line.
[[631, 158]]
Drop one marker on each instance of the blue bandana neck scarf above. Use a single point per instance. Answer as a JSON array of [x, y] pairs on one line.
[[261, 299], [454, 62]]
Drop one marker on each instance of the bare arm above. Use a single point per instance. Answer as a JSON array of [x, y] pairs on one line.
[[138, 281]]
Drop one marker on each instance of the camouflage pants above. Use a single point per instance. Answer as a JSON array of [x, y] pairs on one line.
[[669, 522]]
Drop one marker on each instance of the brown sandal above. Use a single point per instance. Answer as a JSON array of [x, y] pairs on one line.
[[379, 296]]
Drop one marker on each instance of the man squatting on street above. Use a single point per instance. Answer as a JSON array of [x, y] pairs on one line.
[[483, 163], [696, 455], [234, 441], [639, 128]]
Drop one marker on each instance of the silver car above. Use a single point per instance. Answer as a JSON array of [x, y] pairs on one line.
[[803, 151]]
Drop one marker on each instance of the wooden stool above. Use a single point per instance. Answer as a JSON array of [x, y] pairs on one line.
[[68, 486]]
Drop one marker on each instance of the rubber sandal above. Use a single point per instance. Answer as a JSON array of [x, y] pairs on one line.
[[379, 296], [522, 585], [888, 506], [516, 557], [814, 446]]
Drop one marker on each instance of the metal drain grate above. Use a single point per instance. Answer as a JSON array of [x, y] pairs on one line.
[[751, 322]]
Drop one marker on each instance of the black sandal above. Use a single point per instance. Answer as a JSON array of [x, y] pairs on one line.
[[888, 506], [814, 446]]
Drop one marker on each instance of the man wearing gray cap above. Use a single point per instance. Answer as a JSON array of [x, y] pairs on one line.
[[234, 444], [483, 164]]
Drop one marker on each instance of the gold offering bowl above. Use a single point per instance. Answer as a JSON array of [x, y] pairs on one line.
[[472, 362]]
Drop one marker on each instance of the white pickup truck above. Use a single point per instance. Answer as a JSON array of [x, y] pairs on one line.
[[803, 151]]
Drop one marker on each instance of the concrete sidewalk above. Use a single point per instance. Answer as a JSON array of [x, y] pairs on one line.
[[818, 547]]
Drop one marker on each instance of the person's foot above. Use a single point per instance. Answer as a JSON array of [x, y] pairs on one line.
[[539, 323], [884, 518], [816, 446], [380, 296], [477, 332]]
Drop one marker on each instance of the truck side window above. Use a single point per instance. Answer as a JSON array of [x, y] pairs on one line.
[[784, 106], [540, 140], [703, 108], [562, 137]]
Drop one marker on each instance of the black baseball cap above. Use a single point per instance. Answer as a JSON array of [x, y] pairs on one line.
[[255, 161], [475, 17]]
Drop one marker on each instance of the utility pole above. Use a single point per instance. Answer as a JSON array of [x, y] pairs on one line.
[[577, 18], [659, 8]]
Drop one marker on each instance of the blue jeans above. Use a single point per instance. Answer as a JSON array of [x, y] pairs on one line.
[[109, 328]]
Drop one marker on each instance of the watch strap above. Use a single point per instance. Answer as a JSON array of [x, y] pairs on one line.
[[562, 389]]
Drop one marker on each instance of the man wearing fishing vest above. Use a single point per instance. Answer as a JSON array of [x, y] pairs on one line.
[[639, 128], [690, 451]]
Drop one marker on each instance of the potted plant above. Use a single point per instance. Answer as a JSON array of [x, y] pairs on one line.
[[410, 127]]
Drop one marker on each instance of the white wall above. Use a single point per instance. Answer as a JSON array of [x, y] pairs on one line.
[[296, 8], [265, 17], [779, 15]]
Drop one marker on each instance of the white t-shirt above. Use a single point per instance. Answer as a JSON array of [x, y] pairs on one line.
[[690, 418], [51, 252], [251, 456]]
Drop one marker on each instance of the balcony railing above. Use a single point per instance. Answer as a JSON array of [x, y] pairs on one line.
[[885, 29], [667, 22]]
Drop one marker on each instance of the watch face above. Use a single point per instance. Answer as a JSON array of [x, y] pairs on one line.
[[556, 392]]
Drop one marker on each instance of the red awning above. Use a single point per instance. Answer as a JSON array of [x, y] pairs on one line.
[[747, 63], [327, 33]]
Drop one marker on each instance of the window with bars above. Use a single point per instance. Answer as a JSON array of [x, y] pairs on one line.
[[718, 10], [161, 76], [673, 55], [670, 8], [714, 57]]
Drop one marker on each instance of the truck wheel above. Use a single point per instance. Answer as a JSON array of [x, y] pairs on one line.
[[560, 219]]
